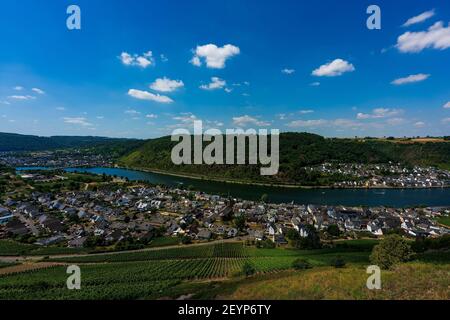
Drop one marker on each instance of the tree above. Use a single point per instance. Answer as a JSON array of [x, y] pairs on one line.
[[240, 222], [333, 230], [392, 250], [248, 269], [311, 241]]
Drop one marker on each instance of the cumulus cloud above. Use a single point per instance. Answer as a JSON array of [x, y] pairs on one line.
[[145, 95], [166, 85], [245, 120], [379, 113], [447, 105], [214, 56], [18, 88], [395, 121], [437, 37], [143, 61], [216, 83], [38, 91], [288, 71], [77, 121], [151, 116], [410, 79], [420, 18], [335, 68], [306, 111]]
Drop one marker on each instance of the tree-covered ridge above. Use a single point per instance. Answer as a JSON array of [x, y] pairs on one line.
[[297, 150], [19, 142]]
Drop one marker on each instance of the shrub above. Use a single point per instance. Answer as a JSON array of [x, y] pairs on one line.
[[248, 269], [301, 264], [392, 250], [338, 262]]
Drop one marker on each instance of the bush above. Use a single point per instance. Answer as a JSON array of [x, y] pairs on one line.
[[248, 269], [392, 250], [301, 264], [338, 262]]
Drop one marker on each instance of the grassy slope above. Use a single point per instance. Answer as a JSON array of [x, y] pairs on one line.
[[195, 270], [296, 151]]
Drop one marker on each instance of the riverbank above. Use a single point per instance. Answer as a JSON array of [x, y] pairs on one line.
[[261, 184]]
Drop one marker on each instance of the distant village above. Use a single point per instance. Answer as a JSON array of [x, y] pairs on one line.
[[119, 210], [385, 175]]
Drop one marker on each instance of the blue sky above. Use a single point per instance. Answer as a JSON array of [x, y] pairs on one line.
[[291, 65]]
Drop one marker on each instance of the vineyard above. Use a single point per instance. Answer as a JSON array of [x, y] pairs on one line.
[[152, 273]]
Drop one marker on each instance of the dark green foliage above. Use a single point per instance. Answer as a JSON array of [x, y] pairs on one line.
[[18, 142], [248, 269], [310, 242], [265, 244], [392, 250], [240, 222], [301, 264], [333, 230], [338, 262]]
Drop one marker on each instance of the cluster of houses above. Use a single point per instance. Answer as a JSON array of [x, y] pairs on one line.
[[54, 159], [123, 211], [385, 175]]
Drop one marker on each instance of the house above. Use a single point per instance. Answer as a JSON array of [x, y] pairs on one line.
[[77, 242], [16, 227], [204, 234], [375, 228]]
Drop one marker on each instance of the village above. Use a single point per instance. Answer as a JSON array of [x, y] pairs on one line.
[[386, 175], [118, 210]]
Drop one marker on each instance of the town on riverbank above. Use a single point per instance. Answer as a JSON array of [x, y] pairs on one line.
[[84, 210]]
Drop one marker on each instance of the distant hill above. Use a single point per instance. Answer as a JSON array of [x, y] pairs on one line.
[[19, 142], [296, 151]]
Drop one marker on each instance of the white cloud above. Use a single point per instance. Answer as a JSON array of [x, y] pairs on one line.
[[216, 83], [19, 97], [447, 105], [410, 79], [246, 120], [214, 56], [132, 112], [395, 121], [166, 85], [306, 111], [419, 124], [151, 116], [334, 68], [315, 84], [145, 95], [18, 88], [307, 123], [288, 71], [60, 108], [143, 61], [420, 18], [38, 91], [5, 102], [163, 58], [379, 113], [446, 120], [100, 117], [77, 121], [437, 37]]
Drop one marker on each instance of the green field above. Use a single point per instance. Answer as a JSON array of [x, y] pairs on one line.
[[209, 269], [444, 221], [13, 248]]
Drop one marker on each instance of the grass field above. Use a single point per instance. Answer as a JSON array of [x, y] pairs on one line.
[[209, 271], [444, 221], [13, 248]]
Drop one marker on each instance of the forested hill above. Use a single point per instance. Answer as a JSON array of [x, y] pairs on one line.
[[296, 151], [19, 142]]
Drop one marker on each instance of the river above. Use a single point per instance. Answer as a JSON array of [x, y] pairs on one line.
[[348, 197]]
